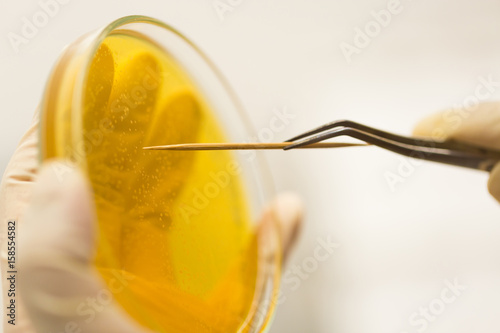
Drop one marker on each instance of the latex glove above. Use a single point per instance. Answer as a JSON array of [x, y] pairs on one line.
[[479, 125], [56, 224]]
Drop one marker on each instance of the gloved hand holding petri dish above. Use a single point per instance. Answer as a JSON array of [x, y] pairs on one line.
[[184, 241]]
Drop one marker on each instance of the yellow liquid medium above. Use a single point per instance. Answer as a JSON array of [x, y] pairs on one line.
[[176, 246]]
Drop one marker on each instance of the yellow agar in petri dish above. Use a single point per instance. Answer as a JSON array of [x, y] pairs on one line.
[[176, 245]]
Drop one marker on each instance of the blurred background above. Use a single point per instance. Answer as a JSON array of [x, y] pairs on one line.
[[418, 254]]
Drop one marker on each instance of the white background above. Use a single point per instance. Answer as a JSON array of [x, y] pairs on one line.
[[396, 248]]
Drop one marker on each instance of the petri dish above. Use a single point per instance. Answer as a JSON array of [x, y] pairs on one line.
[[179, 245]]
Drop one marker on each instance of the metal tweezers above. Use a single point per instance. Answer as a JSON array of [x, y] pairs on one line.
[[448, 152]]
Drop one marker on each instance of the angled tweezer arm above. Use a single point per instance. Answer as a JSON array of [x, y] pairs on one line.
[[448, 152]]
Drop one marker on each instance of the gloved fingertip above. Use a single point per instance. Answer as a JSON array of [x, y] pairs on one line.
[[433, 127], [288, 209], [494, 182]]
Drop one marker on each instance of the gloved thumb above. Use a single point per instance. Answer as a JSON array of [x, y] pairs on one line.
[[478, 125], [56, 276]]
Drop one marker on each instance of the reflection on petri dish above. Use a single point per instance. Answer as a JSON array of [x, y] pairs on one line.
[[178, 245]]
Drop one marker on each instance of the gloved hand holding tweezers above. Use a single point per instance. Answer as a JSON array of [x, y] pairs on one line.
[[479, 126], [463, 137]]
